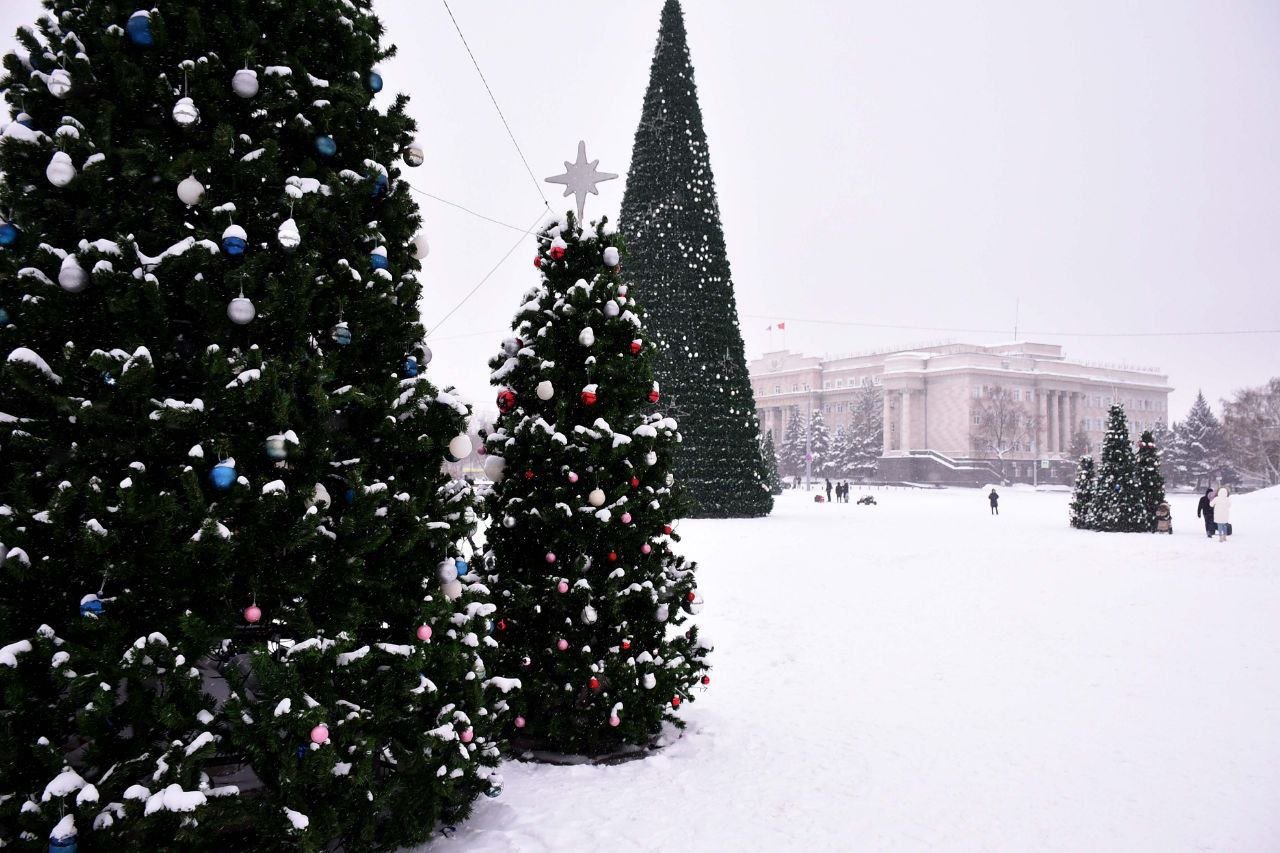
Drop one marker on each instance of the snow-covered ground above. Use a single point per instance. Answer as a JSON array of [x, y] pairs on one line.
[[919, 675]]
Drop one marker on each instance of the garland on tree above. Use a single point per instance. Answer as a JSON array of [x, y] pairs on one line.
[[235, 611], [594, 600]]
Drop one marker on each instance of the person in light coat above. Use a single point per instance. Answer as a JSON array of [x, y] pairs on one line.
[[1222, 512]]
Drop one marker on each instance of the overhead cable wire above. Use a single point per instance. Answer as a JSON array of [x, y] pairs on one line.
[[1025, 332], [463, 208]]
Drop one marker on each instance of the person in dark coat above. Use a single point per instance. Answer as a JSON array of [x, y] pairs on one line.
[[995, 502], [828, 490], [1204, 510]]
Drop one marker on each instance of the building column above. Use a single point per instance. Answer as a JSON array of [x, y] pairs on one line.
[[1073, 419], [1063, 398], [904, 431], [1051, 419], [887, 414], [1042, 421]]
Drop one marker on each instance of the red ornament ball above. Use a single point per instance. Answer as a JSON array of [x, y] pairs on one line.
[[667, 529], [626, 645], [589, 398], [528, 475], [537, 261], [594, 683], [635, 482], [613, 556], [557, 252], [636, 346], [502, 624], [675, 701], [506, 400], [692, 596], [653, 396], [706, 679]]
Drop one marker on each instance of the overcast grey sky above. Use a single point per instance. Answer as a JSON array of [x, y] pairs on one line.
[[1112, 165]]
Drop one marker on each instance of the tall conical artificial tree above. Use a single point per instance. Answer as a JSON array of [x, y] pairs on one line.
[[1117, 503], [1150, 480], [594, 601], [680, 271], [1082, 496], [229, 605]]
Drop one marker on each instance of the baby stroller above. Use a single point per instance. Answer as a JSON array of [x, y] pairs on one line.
[[866, 500], [1164, 521]]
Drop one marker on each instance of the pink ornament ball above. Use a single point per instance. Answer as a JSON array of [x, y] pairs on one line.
[[551, 558], [626, 518], [467, 735], [562, 587], [252, 614], [519, 722], [320, 733], [562, 644], [424, 632], [573, 478], [646, 548], [614, 721]]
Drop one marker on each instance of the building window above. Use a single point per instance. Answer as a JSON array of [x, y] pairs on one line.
[[777, 389], [977, 393], [1031, 394], [977, 419], [1017, 395], [839, 407]]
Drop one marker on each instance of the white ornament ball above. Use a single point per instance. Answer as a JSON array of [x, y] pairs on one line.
[[508, 521], [414, 154], [452, 590], [649, 681], [662, 613], [588, 615], [611, 256], [241, 311], [60, 171], [545, 391], [288, 235], [190, 191], [460, 446], [670, 479], [185, 112], [495, 469], [421, 248], [611, 309], [596, 497], [447, 571], [587, 338], [651, 458], [72, 276], [59, 83], [245, 83]]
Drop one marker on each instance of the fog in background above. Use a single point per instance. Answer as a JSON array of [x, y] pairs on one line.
[[1113, 167]]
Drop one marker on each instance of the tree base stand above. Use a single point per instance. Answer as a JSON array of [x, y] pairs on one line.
[[523, 749]]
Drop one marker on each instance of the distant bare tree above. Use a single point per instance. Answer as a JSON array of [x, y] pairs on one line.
[[1252, 425], [1004, 426]]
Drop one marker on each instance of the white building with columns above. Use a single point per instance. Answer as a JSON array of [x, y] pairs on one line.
[[934, 397]]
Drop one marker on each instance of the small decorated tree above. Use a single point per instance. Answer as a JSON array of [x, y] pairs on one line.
[[1082, 497], [1117, 502], [1150, 480], [771, 463], [594, 601]]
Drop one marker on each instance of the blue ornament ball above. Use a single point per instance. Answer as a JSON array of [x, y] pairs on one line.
[[326, 146], [341, 334], [222, 476], [91, 607], [4, 321], [493, 793], [380, 185], [234, 246], [349, 496], [301, 752], [379, 260], [410, 364], [461, 566], [108, 378], [139, 29], [63, 844], [8, 234], [374, 82], [26, 121]]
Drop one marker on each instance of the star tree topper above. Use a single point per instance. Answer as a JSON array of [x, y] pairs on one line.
[[581, 178]]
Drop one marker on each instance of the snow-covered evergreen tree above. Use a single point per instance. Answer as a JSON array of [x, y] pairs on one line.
[[223, 509], [1117, 502], [791, 454], [819, 444], [1200, 455], [1164, 439], [1150, 480], [866, 440], [770, 457], [595, 602], [1082, 496], [840, 453]]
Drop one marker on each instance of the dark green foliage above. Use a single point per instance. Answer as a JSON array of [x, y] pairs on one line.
[[680, 271], [1082, 497], [106, 478], [1117, 503], [771, 464], [1150, 480], [624, 612]]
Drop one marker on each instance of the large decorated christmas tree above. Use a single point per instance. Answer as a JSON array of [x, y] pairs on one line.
[[1150, 480], [230, 609], [594, 602], [680, 270], [1117, 503]]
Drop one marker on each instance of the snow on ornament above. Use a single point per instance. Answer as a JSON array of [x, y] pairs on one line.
[[91, 606], [414, 154], [241, 311], [245, 83], [223, 474], [587, 337], [138, 28], [60, 171], [460, 446], [447, 571], [374, 80], [276, 448], [409, 369], [545, 391], [234, 241], [378, 258], [653, 393], [253, 614], [495, 468], [589, 615], [25, 120], [72, 277], [58, 83], [557, 250], [185, 112], [596, 497], [326, 146], [611, 258], [452, 590], [341, 334], [506, 400], [611, 309], [288, 236], [190, 191], [590, 394], [421, 248]]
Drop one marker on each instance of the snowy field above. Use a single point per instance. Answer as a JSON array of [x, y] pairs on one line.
[[918, 675]]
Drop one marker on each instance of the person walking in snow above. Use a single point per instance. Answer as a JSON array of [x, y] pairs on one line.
[[1221, 506], [828, 490], [995, 501], [1204, 510]]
